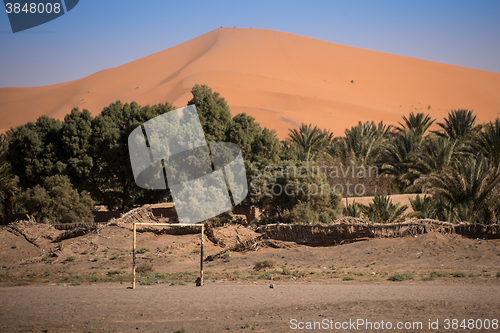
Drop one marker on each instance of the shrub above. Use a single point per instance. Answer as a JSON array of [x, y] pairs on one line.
[[266, 263], [382, 210], [70, 258], [181, 330], [352, 210], [295, 192], [401, 277], [144, 268], [58, 202], [348, 278], [423, 208], [177, 283], [439, 274], [249, 324], [458, 274], [227, 257], [142, 250]]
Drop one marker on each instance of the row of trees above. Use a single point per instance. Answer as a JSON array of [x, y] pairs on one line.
[[59, 170], [87, 157], [459, 164]]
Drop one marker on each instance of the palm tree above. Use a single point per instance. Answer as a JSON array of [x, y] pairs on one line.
[[470, 187], [352, 210], [361, 143], [310, 140], [436, 154], [382, 210], [417, 123], [396, 157], [460, 125], [488, 141], [423, 208]]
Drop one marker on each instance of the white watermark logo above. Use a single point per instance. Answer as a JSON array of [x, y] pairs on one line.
[[334, 180], [173, 145]]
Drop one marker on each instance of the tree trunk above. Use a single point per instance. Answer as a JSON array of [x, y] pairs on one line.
[[8, 204]]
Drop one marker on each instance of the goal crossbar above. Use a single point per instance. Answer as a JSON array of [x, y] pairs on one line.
[[167, 224]]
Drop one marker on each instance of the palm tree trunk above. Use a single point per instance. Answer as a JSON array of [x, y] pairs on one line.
[[8, 204]]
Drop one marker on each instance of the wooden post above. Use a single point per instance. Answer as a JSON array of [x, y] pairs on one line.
[[201, 255], [133, 265]]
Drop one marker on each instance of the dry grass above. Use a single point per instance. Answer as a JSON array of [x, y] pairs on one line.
[[266, 263]]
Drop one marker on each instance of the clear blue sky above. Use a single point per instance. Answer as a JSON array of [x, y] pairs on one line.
[[99, 34]]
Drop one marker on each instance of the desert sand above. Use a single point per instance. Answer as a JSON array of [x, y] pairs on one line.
[[279, 78]]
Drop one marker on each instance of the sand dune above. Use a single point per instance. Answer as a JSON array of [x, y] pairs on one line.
[[279, 78]]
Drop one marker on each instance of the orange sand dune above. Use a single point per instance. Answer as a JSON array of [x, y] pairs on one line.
[[280, 78]]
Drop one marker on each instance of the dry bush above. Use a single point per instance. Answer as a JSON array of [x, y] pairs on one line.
[[266, 263], [144, 268]]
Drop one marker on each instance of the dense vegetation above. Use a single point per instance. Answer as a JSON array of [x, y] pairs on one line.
[[57, 170]]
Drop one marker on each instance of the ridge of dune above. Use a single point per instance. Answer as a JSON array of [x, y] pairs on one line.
[[279, 78]]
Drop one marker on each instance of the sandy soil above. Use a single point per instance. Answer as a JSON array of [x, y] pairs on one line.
[[351, 281], [279, 78], [241, 307]]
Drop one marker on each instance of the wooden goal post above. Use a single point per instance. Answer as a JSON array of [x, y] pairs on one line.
[[168, 224]]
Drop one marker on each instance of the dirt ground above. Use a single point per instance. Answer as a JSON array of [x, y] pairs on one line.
[[81, 284], [242, 307]]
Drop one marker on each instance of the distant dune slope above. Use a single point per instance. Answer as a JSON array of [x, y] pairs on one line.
[[280, 78]]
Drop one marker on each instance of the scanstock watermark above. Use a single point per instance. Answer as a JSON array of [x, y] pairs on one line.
[[354, 325], [26, 14], [342, 180], [172, 149], [447, 324]]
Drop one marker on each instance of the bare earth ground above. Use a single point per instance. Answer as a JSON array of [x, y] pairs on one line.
[[229, 307], [67, 290]]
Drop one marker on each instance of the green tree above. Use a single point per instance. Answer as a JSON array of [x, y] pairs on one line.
[[309, 140], [352, 210], [383, 210], [396, 157], [361, 144], [8, 181], [288, 151], [488, 141], [295, 192], [460, 125], [470, 188], [213, 112], [423, 207], [34, 151], [417, 123], [76, 148], [111, 173], [257, 144], [437, 154], [58, 202]]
